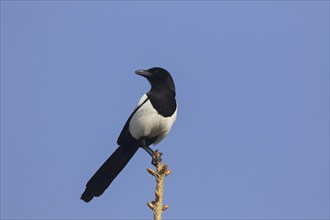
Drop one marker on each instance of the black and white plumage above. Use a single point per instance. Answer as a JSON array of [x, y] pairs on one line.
[[149, 124]]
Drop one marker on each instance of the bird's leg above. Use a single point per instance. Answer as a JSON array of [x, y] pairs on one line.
[[143, 143], [150, 151], [155, 155]]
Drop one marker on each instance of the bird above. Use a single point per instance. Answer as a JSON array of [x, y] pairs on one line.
[[149, 123]]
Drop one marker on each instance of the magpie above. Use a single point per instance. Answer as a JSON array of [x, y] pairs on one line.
[[148, 124]]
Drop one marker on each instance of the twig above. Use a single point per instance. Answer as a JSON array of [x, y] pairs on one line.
[[160, 174]]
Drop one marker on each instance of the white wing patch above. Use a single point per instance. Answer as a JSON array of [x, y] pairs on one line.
[[142, 99], [146, 122]]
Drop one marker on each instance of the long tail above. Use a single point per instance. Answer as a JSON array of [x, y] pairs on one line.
[[103, 177]]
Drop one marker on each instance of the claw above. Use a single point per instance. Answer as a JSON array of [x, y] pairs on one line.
[[156, 161], [157, 154], [156, 158]]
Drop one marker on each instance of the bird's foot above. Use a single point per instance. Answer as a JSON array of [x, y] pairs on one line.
[[155, 155], [156, 158]]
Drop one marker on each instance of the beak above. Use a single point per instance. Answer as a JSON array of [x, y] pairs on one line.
[[144, 73]]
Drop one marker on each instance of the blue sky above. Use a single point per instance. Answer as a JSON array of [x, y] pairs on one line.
[[252, 134]]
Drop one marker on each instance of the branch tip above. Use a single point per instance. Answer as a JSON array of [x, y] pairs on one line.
[[167, 172], [165, 207], [150, 205], [151, 171]]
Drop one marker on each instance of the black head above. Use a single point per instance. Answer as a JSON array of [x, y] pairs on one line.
[[158, 77]]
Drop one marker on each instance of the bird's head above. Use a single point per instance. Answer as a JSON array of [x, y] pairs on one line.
[[158, 77]]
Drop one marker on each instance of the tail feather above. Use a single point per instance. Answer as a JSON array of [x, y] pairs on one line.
[[104, 176]]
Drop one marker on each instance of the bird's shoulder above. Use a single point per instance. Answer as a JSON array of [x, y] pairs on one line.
[[164, 102]]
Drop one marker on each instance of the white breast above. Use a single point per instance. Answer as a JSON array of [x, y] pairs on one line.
[[146, 122]]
